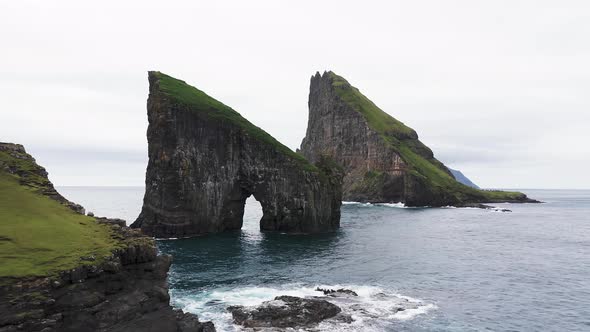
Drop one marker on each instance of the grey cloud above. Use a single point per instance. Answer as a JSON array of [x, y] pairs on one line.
[[498, 89]]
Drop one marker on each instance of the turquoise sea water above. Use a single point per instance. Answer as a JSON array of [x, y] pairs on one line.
[[459, 269]]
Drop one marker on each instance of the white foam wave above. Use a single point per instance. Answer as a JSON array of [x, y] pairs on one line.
[[356, 203], [398, 205], [461, 208], [372, 310], [172, 238], [411, 313]]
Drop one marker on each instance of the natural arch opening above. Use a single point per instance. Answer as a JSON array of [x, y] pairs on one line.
[[252, 215]]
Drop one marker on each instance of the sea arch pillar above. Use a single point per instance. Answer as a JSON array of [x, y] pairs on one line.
[[205, 159]]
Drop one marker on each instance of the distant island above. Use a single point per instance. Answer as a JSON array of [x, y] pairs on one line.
[[459, 176]]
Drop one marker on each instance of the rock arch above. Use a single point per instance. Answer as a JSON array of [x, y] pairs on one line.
[[205, 159]]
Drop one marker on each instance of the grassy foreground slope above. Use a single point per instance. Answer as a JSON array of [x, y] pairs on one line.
[[39, 236], [419, 158]]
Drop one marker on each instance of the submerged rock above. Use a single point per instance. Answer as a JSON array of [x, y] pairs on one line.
[[337, 292], [383, 159], [285, 311], [205, 159]]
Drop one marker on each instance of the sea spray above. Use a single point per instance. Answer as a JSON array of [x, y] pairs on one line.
[[373, 309]]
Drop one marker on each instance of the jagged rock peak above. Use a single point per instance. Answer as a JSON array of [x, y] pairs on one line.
[[383, 159], [205, 159]]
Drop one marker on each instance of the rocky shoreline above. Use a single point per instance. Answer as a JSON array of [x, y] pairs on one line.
[[127, 292]]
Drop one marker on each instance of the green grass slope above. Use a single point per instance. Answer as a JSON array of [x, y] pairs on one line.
[[422, 165], [38, 235], [199, 101], [377, 119]]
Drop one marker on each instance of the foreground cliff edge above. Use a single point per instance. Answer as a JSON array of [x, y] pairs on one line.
[[63, 271], [383, 159], [205, 159]]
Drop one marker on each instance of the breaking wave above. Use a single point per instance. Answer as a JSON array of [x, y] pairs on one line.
[[398, 205], [374, 309]]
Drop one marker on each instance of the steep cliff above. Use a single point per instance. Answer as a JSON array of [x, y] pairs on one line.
[[205, 159], [63, 271], [383, 159]]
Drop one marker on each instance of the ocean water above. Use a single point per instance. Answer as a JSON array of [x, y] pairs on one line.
[[452, 269]]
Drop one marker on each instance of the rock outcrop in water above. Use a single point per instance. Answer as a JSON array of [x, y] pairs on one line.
[[50, 283], [205, 159], [383, 159], [285, 312], [337, 292]]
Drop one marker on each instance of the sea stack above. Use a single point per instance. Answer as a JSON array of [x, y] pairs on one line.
[[383, 159], [205, 159]]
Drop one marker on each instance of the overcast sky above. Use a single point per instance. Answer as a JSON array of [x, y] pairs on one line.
[[498, 89]]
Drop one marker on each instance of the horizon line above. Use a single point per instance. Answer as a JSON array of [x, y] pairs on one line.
[[138, 186]]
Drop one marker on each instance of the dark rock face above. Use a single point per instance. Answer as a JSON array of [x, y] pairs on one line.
[[205, 160], [383, 160], [32, 174], [337, 292], [374, 172], [129, 292], [285, 311], [126, 291]]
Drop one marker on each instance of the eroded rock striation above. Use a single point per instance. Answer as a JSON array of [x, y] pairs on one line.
[[383, 159], [113, 280], [127, 292], [205, 159]]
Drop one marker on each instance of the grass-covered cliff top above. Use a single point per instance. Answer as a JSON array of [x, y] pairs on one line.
[[38, 235], [405, 140], [199, 101], [377, 119]]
